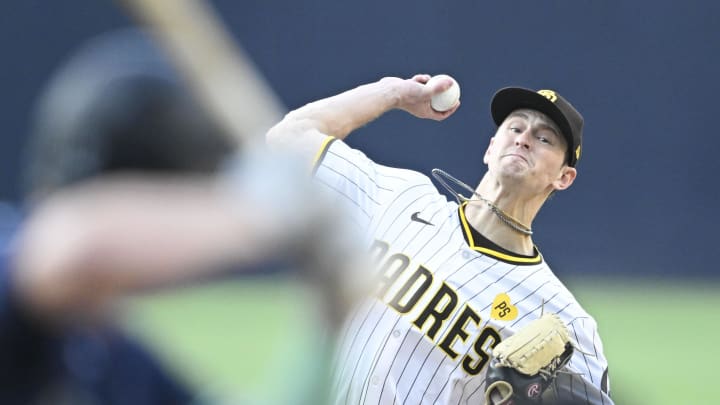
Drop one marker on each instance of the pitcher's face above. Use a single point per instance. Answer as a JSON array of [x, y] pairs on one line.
[[529, 149]]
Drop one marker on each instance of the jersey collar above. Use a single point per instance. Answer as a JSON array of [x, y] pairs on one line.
[[472, 235]]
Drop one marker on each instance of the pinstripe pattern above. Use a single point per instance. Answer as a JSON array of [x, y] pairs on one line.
[[424, 338]]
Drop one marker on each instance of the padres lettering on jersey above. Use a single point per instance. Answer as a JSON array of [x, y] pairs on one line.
[[441, 302], [417, 295]]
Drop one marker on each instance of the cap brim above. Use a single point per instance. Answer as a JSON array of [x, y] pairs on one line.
[[510, 99]]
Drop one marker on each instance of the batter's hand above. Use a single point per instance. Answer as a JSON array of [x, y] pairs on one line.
[[414, 96]]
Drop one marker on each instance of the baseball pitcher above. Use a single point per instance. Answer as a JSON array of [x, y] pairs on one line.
[[465, 309]]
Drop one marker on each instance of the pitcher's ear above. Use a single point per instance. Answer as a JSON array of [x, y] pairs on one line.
[[565, 179]]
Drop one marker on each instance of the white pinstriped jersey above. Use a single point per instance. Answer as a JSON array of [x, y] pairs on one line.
[[441, 301]]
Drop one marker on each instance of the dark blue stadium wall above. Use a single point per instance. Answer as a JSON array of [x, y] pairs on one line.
[[644, 74]]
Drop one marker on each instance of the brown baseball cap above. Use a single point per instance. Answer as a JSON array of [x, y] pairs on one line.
[[548, 102]]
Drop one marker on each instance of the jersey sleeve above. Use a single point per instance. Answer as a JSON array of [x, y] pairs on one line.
[[587, 378], [38, 361], [29, 352], [15, 324], [360, 184]]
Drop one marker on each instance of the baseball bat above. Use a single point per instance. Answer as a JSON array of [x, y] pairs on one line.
[[219, 72], [239, 98]]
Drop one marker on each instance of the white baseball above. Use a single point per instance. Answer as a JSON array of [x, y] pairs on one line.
[[448, 98]]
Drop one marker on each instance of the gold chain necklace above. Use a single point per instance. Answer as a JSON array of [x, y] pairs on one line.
[[442, 177], [508, 219]]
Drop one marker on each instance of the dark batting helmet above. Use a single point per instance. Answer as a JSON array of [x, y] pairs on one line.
[[117, 105]]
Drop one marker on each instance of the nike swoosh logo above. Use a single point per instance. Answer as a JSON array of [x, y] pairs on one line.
[[415, 217]]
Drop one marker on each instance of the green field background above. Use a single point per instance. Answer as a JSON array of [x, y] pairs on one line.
[[260, 340]]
